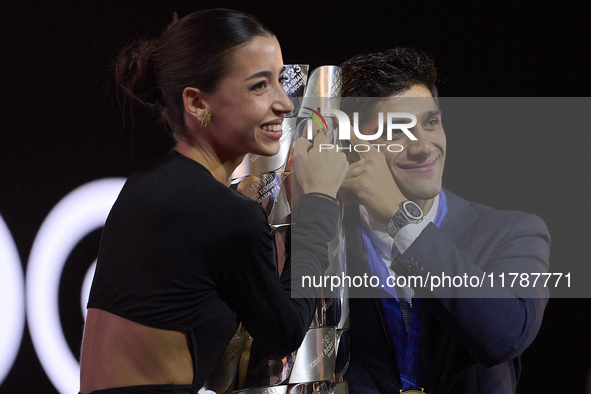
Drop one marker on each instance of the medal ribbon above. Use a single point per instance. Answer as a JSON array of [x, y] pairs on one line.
[[406, 345]]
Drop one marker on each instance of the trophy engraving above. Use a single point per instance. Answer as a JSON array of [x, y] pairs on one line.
[[316, 356]]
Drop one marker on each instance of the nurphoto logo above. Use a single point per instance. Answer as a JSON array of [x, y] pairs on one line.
[[394, 121]]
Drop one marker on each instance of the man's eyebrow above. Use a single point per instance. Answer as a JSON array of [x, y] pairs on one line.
[[425, 115], [266, 74], [432, 113]]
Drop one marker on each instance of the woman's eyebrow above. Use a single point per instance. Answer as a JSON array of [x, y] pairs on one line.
[[266, 74]]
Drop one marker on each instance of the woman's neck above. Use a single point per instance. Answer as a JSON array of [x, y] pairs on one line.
[[220, 169]]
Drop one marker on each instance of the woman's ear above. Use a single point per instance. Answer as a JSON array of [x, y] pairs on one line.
[[193, 101]]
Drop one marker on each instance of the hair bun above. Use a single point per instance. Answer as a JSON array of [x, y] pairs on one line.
[[136, 73]]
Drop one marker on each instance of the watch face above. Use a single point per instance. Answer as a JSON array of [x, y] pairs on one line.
[[413, 210]]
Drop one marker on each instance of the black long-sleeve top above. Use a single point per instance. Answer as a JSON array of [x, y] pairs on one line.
[[181, 251]]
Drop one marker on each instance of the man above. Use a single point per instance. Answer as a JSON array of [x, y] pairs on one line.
[[449, 339]]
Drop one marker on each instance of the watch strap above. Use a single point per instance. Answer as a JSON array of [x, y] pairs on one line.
[[408, 212]]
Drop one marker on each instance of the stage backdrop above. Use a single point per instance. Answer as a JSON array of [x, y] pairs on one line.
[[68, 140]]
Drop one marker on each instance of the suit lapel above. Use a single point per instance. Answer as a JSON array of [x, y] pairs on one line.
[[461, 221], [460, 224]]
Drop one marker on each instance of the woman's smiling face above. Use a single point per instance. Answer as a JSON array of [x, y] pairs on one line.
[[249, 104]]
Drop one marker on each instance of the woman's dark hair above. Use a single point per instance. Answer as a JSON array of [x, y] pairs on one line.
[[193, 52]]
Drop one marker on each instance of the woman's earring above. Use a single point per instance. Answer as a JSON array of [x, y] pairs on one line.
[[204, 117]]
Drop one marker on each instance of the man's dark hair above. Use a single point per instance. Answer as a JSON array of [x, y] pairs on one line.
[[387, 73]]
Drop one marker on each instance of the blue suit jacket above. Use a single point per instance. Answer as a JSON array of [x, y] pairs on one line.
[[468, 345]]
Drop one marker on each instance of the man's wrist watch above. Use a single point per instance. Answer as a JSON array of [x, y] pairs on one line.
[[409, 212]]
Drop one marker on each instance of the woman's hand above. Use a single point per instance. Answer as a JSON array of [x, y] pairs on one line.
[[319, 168]]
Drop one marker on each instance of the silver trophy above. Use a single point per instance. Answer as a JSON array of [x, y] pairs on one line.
[[320, 363]]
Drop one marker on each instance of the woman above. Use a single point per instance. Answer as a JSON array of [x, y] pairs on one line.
[[183, 258]]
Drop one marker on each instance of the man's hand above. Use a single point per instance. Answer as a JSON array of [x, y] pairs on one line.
[[369, 182]]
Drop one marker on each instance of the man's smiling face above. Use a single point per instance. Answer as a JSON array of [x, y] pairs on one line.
[[418, 168]]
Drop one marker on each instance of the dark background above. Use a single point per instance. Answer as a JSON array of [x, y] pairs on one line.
[[62, 124]]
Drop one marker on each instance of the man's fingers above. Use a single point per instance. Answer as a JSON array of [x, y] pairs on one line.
[[363, 151], [355, 169], [346, 185]]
